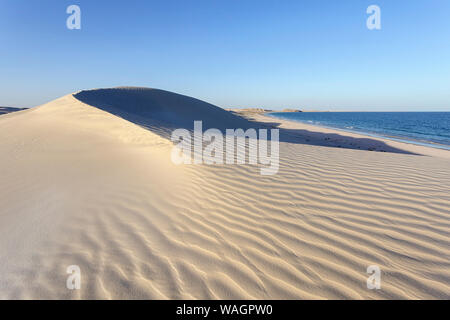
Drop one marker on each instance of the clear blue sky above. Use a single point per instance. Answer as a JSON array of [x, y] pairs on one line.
[[314, 54]]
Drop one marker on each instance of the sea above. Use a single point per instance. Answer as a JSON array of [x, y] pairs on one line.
[[422, 128]]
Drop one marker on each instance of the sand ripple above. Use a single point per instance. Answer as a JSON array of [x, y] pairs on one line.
[[141, 228]]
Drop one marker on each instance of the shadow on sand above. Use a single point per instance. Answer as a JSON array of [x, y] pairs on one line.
[[5, 110], [162, 112]]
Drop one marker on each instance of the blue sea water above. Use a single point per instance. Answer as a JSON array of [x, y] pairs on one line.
[[425, 128]]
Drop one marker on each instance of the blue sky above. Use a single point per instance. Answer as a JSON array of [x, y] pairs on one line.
[[313, 54]]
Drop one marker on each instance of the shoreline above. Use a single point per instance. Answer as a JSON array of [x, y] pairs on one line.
[[333, 137], [401, 139]]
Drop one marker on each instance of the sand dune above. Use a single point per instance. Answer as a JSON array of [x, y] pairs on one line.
[[160, 110], [87, 180], [5, 110]]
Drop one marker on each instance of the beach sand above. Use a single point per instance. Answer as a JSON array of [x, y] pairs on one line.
[[83, 186]]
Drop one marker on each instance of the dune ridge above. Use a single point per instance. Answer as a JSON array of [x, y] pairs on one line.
[[84, 186], [156, 109]]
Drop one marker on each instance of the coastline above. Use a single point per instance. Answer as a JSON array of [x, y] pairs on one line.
[[334, 137], [398, 138]]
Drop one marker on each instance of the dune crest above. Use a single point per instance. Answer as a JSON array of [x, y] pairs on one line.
[[156, 109], [85, 183]]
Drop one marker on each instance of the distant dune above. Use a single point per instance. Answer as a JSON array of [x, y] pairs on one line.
[[253, 110], [5, 110], [87, 180], [261, 110]]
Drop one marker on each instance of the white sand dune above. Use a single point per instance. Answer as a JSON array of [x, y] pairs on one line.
[[82, 186]]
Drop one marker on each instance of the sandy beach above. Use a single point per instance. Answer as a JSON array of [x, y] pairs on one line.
[[87, 180]]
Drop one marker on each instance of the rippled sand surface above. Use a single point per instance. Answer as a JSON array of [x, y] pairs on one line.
[[81, 186]]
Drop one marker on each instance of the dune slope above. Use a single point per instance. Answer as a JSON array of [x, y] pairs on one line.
[[159, 109], [82, 186]]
